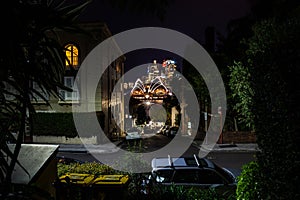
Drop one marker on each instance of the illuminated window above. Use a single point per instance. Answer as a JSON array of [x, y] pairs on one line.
[[72, 56]]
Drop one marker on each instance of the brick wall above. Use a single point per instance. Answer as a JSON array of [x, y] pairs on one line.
[[239, 137], [233, 137]]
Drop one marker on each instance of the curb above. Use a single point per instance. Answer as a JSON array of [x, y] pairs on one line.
[[242, 148], [81, 148], [69, 150]]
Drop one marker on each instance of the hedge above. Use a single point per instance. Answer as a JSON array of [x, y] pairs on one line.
[[62, 124]]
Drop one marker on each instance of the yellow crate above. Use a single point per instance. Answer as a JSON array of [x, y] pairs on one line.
[[76, 178]]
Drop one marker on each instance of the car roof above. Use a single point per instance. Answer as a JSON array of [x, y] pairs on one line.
[[181, 162]]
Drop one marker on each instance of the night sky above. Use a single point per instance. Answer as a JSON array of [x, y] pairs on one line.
[[190, 17]]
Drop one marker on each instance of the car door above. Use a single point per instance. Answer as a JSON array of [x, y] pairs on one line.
[[210, 178], [204, 178]]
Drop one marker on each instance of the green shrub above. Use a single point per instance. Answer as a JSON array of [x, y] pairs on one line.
[[62, 124], [249, 182], [209, 194], [54, 124], [85, 168], [176, 192]]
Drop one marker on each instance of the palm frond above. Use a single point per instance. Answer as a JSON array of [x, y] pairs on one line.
[[28, 53]]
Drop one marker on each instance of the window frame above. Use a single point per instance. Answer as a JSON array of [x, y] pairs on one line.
[[69, 97], [70, 59]]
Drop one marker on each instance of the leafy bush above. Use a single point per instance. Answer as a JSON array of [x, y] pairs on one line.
[[85, 168], [274, 52], [175, 192], [249, 182], [271, 50], [209, 194], [55, 124], [242, 94], [62, 124], [130, 163]]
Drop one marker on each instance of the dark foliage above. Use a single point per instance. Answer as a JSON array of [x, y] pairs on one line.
[[61, 124], [28, 55], [273, 59]]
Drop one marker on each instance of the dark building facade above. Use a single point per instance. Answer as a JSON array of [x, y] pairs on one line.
[[108, 99]]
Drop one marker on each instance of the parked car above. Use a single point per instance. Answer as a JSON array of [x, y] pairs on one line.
[[173, 131], [133, 134], [191, 172]]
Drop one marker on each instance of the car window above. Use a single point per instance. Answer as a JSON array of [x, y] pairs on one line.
[[163, 176], [198, 176], [210, 177], [186, 176], [226, 175]]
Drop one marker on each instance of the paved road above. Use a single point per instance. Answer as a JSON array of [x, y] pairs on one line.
[[151, 143]]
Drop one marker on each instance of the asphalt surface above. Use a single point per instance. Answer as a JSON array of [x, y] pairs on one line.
[[152, 142], [225, 155]]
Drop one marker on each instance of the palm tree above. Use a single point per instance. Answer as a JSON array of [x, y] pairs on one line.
[[28, 54]]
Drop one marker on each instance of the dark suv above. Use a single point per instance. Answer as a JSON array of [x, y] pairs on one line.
[[192, 172]]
